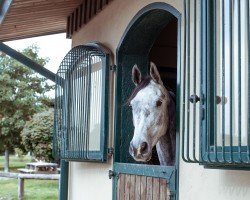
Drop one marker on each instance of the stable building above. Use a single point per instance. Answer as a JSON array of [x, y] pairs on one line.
[[201, 49]]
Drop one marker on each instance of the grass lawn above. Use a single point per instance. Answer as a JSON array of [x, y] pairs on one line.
[[33, 189]]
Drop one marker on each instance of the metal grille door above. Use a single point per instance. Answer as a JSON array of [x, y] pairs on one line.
[[81, 114]]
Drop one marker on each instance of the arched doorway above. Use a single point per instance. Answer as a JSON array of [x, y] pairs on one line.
[[152, 35]]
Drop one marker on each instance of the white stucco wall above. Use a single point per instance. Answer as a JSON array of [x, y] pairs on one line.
[[90, 181]]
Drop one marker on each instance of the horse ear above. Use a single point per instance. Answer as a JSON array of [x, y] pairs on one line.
[[136, 75], [154, 73]]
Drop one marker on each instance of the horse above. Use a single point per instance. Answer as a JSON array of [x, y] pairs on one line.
[[153, 109]]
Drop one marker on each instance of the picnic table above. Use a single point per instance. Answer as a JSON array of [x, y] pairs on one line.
[[39, 167]]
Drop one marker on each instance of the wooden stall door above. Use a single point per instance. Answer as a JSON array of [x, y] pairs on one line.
[[135, 187]]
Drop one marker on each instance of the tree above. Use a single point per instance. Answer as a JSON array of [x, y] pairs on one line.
[[22, 93], [38, 133]]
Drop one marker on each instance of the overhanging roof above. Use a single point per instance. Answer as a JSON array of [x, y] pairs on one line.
[[29, 18]]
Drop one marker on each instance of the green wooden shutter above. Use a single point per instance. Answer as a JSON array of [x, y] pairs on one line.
[[215, 120], [81, 104]]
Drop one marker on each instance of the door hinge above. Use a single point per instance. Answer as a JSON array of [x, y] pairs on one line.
[[172, 195], [110, 151], [111, 174], [113, 67]]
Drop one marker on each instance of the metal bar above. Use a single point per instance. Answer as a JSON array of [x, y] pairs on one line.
[[188, 80], [194, 85], [231, 82], [214, 79], [239, 81], [27, 62], [183, 80], [248, 85], [223, 79]]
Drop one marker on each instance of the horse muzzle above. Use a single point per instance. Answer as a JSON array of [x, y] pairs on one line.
[[142, 153]]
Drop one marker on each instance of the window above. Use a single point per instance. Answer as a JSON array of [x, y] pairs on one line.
[[215, 85], [81, 104]]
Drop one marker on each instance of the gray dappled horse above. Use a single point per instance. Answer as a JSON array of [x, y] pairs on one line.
[[153, 110]]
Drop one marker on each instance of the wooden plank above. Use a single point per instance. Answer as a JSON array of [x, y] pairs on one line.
[[156, 188], [163, 189], [39, 176], [137, 187], [121, 187], [132, 187], [127, 186], [143, 187], [149, 195]]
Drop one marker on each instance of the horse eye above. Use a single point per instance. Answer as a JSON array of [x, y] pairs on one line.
[[158, 103]]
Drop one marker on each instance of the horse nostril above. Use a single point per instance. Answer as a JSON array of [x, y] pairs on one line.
[[144, 147]]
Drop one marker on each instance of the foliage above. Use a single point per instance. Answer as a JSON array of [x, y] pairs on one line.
[[37, 135], [19, 153], [22, 93]]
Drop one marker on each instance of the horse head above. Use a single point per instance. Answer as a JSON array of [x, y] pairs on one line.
[[149, 101]]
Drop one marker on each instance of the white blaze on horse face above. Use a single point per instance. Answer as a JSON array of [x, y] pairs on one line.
[[148, 116]]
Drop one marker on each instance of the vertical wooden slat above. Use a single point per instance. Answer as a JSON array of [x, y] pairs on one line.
[[149, 188], [68, 28], [104, 3], [156, 188], [163, 189], [84, 5], [93, 8], [88, 10], [132, 187], [121, 187], [127, 186], [72, 24], [80, 16], [137, 187], [98, 5], [76, 19], [143, 187]]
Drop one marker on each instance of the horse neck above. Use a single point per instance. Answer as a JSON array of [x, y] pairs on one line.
[[166, 145]]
